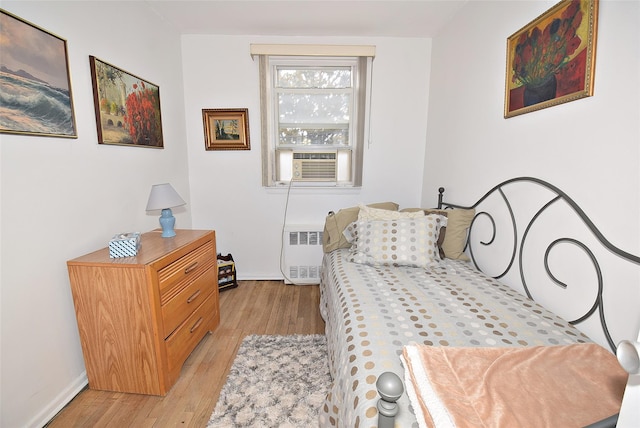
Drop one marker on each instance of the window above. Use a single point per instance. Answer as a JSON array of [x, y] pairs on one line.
[[313, 118]]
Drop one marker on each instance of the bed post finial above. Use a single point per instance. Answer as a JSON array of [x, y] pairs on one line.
[[440, 196], [390, 388]]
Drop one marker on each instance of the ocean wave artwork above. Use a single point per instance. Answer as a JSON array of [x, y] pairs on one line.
[[33, 106]]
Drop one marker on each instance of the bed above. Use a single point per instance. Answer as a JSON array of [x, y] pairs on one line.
[[380, 302]]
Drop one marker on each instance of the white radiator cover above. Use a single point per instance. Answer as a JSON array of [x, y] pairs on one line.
[[302, 253]]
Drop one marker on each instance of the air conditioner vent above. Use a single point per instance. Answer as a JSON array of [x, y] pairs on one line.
[[302, 254], [314, 166]]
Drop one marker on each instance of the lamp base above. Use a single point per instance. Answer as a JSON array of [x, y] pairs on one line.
[[167, 221]]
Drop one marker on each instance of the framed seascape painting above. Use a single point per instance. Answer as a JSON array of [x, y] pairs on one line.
[[35, 85], [127, 107], [226, 129], [551, 60]]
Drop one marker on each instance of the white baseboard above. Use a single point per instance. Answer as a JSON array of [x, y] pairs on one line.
[[65, 396], [261, 278]]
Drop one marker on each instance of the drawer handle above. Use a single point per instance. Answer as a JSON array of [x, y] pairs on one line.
[[190, 268], [196, 325], [193, 297]]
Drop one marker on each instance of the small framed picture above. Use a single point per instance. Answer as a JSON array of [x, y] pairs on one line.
[[226, 129], [127, 107]]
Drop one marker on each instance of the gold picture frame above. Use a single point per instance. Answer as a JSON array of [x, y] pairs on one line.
[[36, 79], [551, 60], [127, 107], [226, 129]]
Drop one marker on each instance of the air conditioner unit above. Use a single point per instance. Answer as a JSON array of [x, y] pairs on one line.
[[314, 166]]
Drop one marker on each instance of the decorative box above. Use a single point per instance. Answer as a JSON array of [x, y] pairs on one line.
[[124, 245]]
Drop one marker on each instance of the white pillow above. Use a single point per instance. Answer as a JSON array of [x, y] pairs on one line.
[[398, 242], [369, 213]]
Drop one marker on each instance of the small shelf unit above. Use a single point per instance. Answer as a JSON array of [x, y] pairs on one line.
[[226, 272]]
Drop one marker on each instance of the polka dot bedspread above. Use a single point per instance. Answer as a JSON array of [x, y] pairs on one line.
[[372, 312]]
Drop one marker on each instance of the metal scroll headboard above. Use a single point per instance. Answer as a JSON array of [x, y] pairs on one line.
[[517, 250]]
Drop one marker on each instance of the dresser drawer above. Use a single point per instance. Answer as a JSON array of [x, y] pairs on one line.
[[188, 335], [176, 310], [175, 275]]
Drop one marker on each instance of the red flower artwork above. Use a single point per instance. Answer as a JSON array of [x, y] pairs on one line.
[[542, 53], [142, 118], [551, 60]]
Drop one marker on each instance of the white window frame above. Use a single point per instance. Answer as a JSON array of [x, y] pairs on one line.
[[276, 161]]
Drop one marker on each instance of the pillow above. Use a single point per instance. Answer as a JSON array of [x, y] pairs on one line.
[[458, 223], [335, 223], [443, 230], [372, 213], [351, 231], [398, 242]]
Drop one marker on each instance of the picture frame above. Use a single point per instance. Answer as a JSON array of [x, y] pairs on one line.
[[127, 107], [551, 60], [34, 74], [226, 129]]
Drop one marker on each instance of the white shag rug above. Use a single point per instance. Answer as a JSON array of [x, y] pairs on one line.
[[275, 381]]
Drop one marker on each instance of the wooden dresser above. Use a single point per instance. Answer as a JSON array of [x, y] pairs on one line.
[[140, 317]]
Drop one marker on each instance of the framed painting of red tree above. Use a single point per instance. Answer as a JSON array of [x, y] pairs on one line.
[[127, 107], [551, 60]]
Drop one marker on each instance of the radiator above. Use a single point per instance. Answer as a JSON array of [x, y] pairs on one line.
[[302, 254]]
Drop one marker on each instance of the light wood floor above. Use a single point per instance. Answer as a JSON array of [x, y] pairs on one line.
[[254, 307]]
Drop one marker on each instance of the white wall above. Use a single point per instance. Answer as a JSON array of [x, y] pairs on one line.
[[589, 148], [62, 198], [226, 190]]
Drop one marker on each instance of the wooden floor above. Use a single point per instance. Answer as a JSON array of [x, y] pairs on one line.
[[255, 307]]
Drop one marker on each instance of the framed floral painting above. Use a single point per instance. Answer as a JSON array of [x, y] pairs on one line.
[[127, 107], [551, 60]]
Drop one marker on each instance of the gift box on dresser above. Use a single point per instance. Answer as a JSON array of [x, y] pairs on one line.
[[124, 245]]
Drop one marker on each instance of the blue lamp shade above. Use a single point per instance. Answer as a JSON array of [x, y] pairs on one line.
[[164, 197]]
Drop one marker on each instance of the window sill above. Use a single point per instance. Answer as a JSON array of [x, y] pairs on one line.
[[313, 188]]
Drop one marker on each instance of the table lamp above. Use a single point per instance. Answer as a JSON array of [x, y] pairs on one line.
[[164, 197]]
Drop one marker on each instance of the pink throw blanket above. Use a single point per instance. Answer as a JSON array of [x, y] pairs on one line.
[[541, 386]]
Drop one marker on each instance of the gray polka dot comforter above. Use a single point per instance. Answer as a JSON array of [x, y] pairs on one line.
[[372, 312]]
